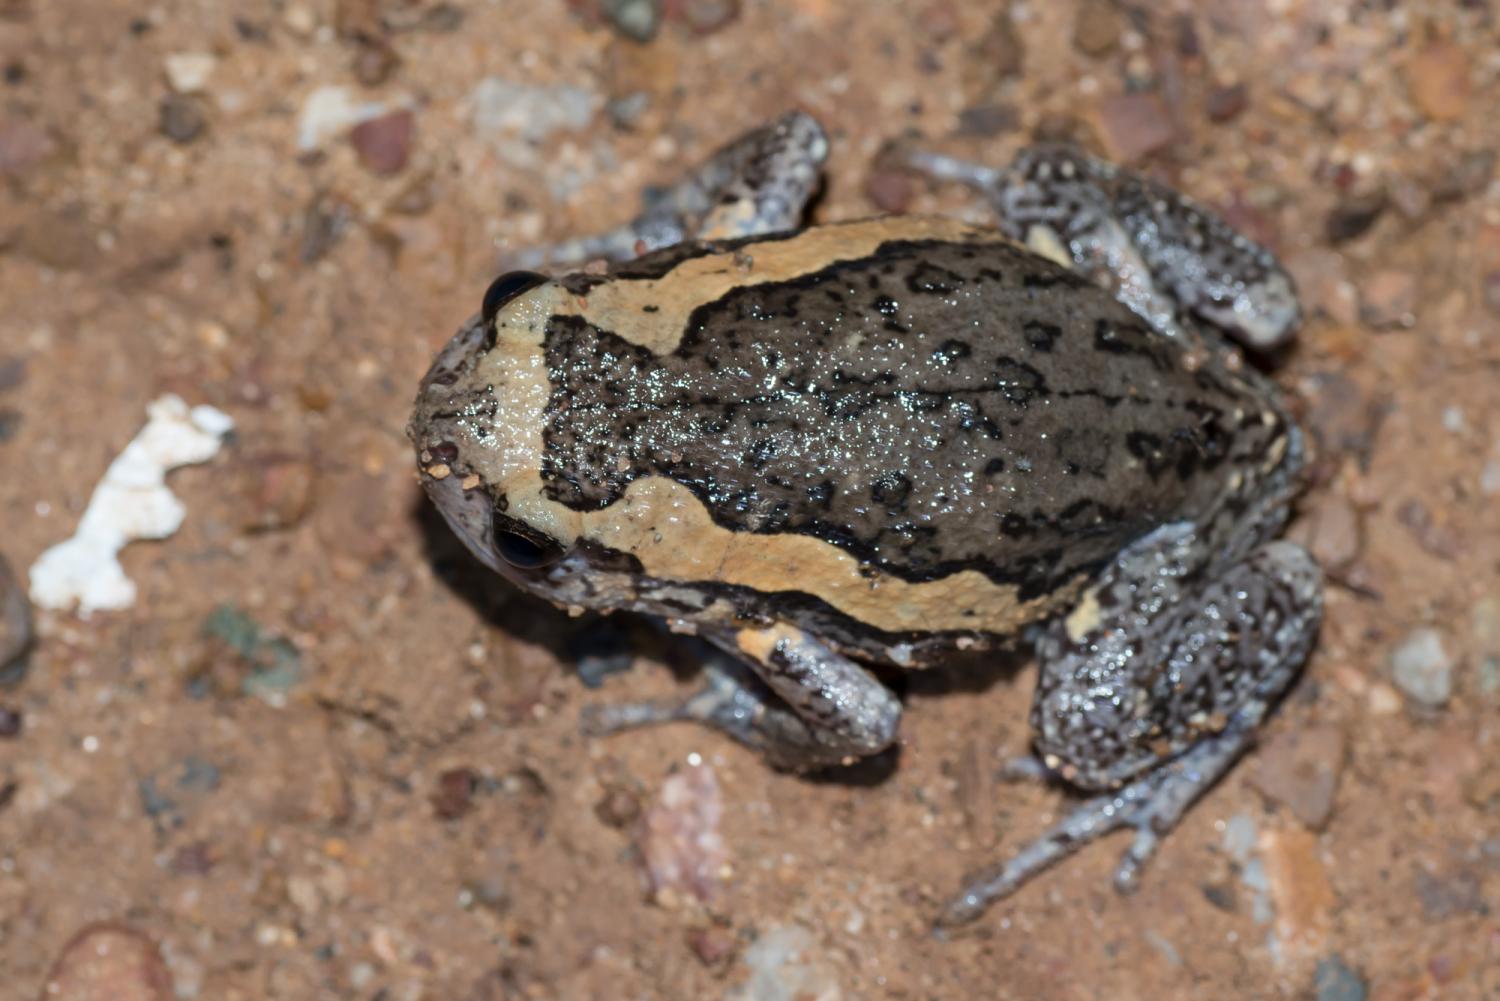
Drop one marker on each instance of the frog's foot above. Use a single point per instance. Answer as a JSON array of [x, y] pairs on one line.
[[760, 183], [1163, 255], [1153, 686], [805, 707], [1151, 806]]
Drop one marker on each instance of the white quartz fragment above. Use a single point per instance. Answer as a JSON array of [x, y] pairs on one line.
[[329, 110], [131, 502]]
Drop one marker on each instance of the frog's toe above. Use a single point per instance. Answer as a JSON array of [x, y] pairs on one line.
[[1150, 806]]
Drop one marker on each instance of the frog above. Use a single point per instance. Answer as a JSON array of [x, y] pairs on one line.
[[867, 446]]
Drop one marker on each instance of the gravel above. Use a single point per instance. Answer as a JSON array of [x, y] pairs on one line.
[[1422, 668]]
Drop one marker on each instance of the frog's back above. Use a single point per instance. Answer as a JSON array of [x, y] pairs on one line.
[[931, 407]]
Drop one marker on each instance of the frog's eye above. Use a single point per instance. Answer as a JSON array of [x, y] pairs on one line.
[[505, 288], [522, 547]]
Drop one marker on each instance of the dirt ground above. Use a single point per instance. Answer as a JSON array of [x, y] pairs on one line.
[[325, 755]]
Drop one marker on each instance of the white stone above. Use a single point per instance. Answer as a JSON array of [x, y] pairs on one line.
[[189, 72], [131, 502]]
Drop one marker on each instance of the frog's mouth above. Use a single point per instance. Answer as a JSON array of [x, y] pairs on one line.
[[467, 509], [469, 513]]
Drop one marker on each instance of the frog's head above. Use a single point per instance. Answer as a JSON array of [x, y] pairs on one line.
[[477, 427]]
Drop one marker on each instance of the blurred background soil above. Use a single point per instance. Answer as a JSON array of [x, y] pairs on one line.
[[325, 756]]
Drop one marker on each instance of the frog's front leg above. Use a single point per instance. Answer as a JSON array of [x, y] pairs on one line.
[[1161, 253], [816, 708], [1152, 688], [759, 183]]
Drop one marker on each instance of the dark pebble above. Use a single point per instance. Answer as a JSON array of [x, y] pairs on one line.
[[182, 118], [15, 626], [1221, 895], [374, 62], [986, 120], [10, 722], [1225, 103], [324, 221], [1354, 216], [10, 423], [454, 795]]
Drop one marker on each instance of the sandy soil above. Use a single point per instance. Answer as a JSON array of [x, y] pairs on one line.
[[324, 755]]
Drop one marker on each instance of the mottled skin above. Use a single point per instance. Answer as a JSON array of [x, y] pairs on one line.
[[888, 440]]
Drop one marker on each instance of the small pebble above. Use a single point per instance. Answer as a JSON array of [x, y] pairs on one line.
[[278, 492], [714, 946], [453, 795], [984, 121], [1133, 126], [681, 847], [1435, 536], [1227, 103], [1422, 668], [23, 145], [10, 721], [890, 190], [384, 143], [374, 62], [1300, 769], [785, 965], [1097, 27], [109, 963], [637, 20], [324, 222], [190, 72], [300, 20], [501, 107], [1353, 217], [705, 17], [1334, 981], [182, 118], [1389, 299], [16, 630], [1299, 888], [1333, 531], [1438, 80]]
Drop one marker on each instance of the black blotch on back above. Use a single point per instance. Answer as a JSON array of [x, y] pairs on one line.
[[986, 437]]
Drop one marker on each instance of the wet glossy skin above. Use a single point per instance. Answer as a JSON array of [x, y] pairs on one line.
[[891, 439], [947, 403]]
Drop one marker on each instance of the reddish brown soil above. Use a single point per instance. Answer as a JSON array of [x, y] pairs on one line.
[[418, 815]]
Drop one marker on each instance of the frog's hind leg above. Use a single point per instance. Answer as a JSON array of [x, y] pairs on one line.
[[1162, 254], [1154, 686], [759, 183], [806, 707]]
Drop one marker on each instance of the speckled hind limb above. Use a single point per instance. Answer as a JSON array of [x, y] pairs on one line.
[[815, 708], [759, 183], [1162, 254], [1153, 687]]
